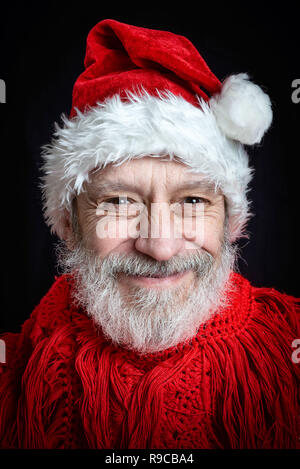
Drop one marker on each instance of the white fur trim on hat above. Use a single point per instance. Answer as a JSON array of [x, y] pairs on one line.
[[116, 131]]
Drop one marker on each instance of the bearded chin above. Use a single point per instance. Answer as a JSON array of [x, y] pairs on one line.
[[148, 320]]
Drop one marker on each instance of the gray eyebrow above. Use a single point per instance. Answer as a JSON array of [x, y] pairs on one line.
[[103, 187], [202, 185]]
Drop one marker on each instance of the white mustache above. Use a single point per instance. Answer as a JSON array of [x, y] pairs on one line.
[[201, 263]]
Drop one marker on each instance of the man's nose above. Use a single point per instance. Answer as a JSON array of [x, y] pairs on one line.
[[162, 238]]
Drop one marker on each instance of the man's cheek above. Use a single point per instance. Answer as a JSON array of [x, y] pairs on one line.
[[209, 236]]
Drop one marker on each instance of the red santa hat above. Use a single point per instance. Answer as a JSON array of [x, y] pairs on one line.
[[150, 93]]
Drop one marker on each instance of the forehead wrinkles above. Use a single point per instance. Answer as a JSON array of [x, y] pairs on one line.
[[95, 189]]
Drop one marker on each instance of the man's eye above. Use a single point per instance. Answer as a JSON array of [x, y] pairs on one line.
[[195, 200], [119, 207], [118, 200]]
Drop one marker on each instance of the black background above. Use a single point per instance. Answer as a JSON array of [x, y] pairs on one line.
[[42, 50]]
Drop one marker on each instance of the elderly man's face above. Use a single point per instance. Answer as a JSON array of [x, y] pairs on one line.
[[149, 288], [163, 187]]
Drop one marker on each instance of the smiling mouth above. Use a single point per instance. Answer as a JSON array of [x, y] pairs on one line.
[[156, 279], [156, 275]]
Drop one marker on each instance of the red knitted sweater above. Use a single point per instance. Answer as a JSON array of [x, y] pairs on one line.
[[234, 386]]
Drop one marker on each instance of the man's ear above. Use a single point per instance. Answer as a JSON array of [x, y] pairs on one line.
[[67, 230]]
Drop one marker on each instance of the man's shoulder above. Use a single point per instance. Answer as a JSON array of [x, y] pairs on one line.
[[270, 306], [268, 303], [45, 345], [55, 307], [53, 311]]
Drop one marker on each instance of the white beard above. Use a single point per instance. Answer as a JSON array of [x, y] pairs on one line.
[[148, 320]]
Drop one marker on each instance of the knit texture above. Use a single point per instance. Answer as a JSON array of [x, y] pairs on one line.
[[234, 386]]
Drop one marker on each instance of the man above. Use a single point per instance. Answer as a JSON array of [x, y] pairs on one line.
[[150, 338]]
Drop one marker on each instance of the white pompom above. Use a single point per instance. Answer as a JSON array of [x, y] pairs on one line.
[[242, 110]]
